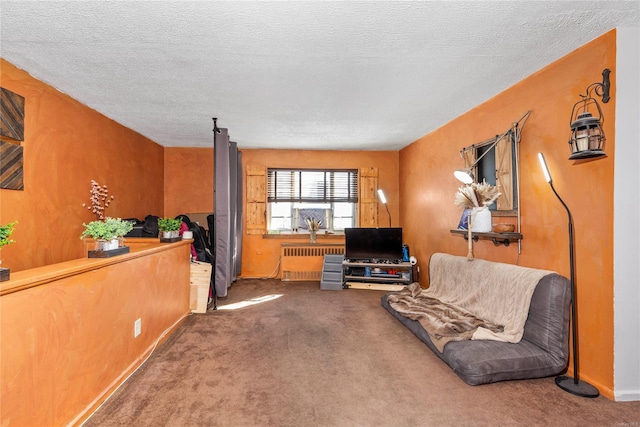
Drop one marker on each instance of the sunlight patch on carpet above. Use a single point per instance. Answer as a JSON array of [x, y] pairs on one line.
[[250, 302]]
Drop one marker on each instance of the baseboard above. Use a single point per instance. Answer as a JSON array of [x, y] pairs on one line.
[[627, 396]]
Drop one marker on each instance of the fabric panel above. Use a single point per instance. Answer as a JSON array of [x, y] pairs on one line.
[[222, 213]]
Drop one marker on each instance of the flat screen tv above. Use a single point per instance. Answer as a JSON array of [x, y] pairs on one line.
[[379, 244]]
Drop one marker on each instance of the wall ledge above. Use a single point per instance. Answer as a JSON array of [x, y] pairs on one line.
[[39, 276]]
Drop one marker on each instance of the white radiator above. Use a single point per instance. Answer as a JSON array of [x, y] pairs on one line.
[[303, 262]]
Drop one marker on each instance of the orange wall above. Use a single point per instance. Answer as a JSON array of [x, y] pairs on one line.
[[67, 329], [188, 182], [427, 188], [260, 255], [66, 145]]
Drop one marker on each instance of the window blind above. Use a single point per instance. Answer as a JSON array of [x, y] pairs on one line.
[[312, 185]]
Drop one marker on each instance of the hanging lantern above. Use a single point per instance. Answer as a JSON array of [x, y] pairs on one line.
[[587, 137]]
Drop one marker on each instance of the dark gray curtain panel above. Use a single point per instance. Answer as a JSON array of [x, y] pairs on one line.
[[227, 212], [222, 214]]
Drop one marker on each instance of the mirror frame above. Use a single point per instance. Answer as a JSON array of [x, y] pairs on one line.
[[492, 158]]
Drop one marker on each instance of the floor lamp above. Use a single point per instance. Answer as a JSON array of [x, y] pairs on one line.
[[384, 202], [572, 385]]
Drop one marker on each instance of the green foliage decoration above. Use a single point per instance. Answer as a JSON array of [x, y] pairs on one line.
[[169, 224], [5, 233], [108, 229]]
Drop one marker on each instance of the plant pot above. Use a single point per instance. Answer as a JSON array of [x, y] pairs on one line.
[[4, 274], [108, 253], [106, 245], [312, 236], [170, 236]]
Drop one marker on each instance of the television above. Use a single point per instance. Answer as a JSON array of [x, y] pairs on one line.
[[373, 244]]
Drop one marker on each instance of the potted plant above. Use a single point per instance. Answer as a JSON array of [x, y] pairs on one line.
[[170, 227], [121, 228], [107, 232], [5, 234]]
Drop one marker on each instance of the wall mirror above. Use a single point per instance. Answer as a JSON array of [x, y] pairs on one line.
[[496, 162]]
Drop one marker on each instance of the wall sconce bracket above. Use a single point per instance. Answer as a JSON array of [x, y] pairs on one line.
[[602, 89]]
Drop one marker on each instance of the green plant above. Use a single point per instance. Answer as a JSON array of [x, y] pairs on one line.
[[169, 224], [120, 226], [108, 229], [5, 233]]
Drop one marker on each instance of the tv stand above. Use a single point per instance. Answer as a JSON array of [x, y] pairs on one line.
[[389, 275]]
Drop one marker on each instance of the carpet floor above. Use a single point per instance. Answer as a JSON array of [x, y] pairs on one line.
[[289, 354]]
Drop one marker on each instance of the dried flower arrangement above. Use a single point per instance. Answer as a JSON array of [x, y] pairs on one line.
[[313, 224], [476, 195], [100, 199]]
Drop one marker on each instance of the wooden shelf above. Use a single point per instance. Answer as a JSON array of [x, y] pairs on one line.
[[497, 238]]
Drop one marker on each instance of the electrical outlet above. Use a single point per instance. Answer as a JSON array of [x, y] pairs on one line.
[[137, 328]]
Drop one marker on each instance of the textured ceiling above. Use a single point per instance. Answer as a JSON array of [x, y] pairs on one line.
[[320, 75]]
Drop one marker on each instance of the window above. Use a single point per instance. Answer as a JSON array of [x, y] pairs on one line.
[[293, 195]]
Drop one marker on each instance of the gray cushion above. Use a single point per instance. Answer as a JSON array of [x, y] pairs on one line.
[[547, 325]]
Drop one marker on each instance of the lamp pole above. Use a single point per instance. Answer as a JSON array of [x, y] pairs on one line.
[[572, 385]]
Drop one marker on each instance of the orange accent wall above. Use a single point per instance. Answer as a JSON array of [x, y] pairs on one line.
[[259, 255], [67, 329], [427, 188], [188, 183], [66, 145]]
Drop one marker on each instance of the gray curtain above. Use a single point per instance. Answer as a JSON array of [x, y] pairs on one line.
[[227, 212]]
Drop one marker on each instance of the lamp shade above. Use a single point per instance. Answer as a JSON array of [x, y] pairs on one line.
[[545, 169], [383, 199], [464, 175]]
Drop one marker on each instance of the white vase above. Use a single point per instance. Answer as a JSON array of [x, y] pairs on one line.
[[481, 220], [106, 245], [99, 245], [113, 244]]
